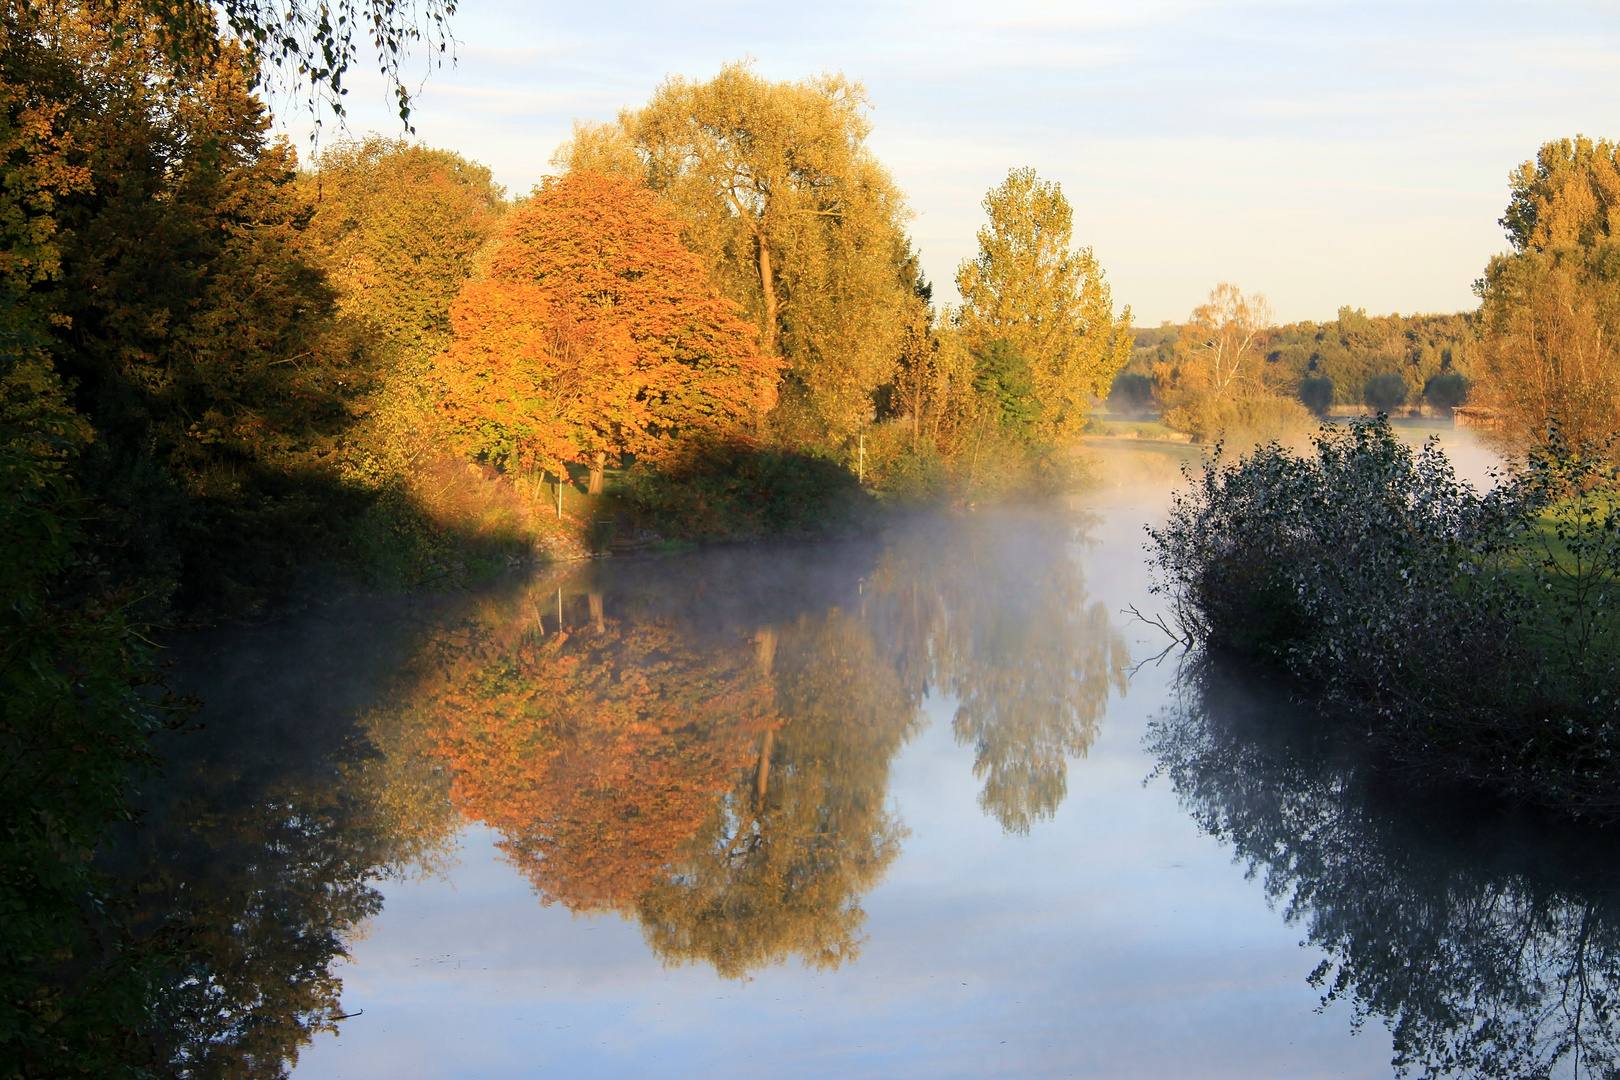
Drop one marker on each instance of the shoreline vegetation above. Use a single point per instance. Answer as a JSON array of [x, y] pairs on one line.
[[1464, 636]]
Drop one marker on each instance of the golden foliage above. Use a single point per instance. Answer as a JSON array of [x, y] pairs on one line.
[[397, 227], [596, 331], [1550, 316], [794, 218], [1048, 300]]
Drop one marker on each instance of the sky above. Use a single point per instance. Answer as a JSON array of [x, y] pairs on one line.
[[1322, 154]]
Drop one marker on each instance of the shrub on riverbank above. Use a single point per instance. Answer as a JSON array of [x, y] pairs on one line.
[[1250, 419], [733, 491], [1469, 634]]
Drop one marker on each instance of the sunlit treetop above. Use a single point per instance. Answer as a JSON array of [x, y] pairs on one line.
[[597, 331], [1569, 196]]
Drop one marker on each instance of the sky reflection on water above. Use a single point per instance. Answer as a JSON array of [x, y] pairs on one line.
[[914, 888], [1111, 939]]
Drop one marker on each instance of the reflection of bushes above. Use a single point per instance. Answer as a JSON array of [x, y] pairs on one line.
[[1468, 635], [1484, 958], [741, 492]]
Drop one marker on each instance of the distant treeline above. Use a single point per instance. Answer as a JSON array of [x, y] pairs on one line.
[[1337, 362]]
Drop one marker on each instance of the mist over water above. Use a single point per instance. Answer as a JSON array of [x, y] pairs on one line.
[[920, 804]]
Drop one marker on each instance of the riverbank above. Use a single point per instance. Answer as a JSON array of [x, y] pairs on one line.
[[1465, 635]]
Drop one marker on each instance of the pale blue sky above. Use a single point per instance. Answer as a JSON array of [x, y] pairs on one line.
[[1320, 153]]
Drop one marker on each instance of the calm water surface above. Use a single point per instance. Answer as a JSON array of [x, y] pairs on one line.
[[922, 805]]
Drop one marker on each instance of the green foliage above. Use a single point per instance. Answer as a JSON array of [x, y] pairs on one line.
[[902, 469], [1316, 393], [1002, 375], [730, 491], [1384, 392], [1575, 551], [78, 702], [1446, 391], [1464, 639], [1355, 347]]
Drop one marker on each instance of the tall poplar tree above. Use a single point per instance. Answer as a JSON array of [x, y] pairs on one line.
[[1049, 301]]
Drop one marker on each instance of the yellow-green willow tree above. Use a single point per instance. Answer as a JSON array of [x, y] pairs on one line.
[[1049, 301], [1550, 311], [396, 227], [797, 221]]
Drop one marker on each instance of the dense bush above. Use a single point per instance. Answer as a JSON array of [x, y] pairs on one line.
[[732, 491], [1467, 633], [1446, 391], [1254, 419], [1384, 392], [1132, 393], [902, 468], [1316, 393]]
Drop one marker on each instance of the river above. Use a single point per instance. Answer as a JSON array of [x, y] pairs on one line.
[[933, 803]]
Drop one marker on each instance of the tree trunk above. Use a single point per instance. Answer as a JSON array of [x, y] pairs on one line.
[[597, 622], [598, 463], [767, 285]]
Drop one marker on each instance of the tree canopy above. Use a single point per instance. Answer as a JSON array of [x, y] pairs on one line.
[[1550, 310], [396, 227], [1048, 300], [791, 214], [596, 331]]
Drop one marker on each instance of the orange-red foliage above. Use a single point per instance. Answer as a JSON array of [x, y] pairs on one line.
[[596, 754], [597, 330]]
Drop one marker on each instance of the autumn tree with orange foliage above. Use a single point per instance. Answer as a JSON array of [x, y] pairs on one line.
[[596, 333]]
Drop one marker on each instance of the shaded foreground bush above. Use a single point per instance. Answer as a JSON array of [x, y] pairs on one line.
[[1469, 635], [731, 491]]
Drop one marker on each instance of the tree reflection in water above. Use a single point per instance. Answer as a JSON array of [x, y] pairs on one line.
[[1487, 942], [701, 743], [260, 851], [704, 744], [1011, 636]]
